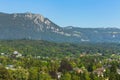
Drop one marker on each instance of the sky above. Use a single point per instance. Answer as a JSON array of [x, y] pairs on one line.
[[78, 13]]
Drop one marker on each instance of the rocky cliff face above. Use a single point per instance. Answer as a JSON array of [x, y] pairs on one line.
[[37, 27], [28, 26]]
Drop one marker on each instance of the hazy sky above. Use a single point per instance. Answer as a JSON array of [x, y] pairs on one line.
[[81, 13]]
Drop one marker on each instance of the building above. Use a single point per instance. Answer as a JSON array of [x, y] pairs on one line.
[[16, 54], [99, 71]]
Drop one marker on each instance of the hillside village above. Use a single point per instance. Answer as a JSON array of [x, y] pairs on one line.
[[17, 66]]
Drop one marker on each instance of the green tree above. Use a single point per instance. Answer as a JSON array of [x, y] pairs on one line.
[[112, 76], [19, 74], [66, 76], [65, 66], [107, 73], [33, 73], [75, 77], [44, 76], [4, 74], [84, 76]]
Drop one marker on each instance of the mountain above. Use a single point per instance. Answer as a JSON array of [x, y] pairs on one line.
[[37, 27], [28, 26], [96, 34]]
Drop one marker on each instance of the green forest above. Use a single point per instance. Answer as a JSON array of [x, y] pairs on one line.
[[43, 60]]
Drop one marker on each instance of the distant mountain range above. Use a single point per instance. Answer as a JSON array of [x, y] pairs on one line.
[[37, 27]]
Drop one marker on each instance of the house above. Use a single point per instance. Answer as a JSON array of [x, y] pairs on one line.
[[11, 67], [83, 54], [59, 74], [107, 79], [78, 70], [2, 54], [99, 71], [118, 71], [16, 54]]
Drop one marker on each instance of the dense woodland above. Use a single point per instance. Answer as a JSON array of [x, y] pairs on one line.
[[42, 60]]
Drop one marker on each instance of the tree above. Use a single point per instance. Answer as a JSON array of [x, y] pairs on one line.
[[33, 73], [112, 76], [84, 76], [4, 74], [44, 76], [65, 66], [107, 73], [66, 76], [113, 68], [75, 77], [19, 74]]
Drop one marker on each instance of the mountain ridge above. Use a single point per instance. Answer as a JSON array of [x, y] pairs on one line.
[[37, 27]]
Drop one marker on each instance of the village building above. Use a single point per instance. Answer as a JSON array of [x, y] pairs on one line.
[[99, 71]]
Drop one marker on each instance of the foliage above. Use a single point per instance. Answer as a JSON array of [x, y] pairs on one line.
[[44, 60]]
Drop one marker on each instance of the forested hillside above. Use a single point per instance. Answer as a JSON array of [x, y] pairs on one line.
[[52, 49], [42, 60]]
